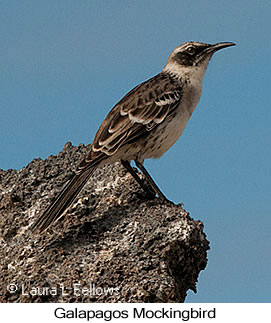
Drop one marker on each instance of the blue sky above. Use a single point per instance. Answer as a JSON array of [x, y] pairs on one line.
[[65, 63]]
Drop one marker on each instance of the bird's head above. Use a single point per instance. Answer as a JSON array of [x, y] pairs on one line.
[[193, 56]]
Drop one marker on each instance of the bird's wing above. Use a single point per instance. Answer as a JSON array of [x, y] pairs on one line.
[[141, 110]]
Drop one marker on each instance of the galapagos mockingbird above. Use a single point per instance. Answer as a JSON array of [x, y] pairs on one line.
[[145, 123]]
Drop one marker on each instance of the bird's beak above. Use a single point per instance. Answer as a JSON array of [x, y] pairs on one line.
[[213, 48]]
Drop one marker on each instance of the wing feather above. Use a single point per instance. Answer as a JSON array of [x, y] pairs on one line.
[[141, 110]]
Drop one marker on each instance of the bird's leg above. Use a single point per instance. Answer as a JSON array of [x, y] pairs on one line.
[[130, 169], [152, 183]]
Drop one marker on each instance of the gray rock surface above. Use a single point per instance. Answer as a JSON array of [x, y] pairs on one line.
[[112, 245]]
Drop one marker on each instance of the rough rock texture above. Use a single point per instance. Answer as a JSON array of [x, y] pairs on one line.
[[113, 245]]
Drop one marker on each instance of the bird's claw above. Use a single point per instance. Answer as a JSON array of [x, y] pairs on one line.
[[164, 200]]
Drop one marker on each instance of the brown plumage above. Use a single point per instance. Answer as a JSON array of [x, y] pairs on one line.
[[140, 111], [130, 119], [144, 124]]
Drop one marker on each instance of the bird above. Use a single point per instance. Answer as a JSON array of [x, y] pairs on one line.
[[144, 124]]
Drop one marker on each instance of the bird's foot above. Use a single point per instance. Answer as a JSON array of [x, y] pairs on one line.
[[150, 195], [146, 194], [164, 200]]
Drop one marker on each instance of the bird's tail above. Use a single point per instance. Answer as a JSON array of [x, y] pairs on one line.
[[63, 200]]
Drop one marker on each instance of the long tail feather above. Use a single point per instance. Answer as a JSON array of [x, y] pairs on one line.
[[63, 201]]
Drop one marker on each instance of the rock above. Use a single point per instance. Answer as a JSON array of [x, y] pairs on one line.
[[112, 245]]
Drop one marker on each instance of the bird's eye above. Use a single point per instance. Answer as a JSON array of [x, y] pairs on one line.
[[191, 50]]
